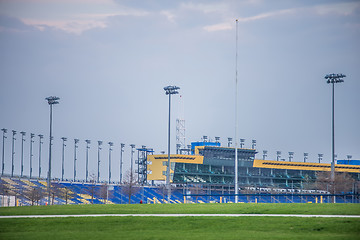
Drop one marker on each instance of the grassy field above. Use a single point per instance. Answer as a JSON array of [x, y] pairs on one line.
[[183, 227]]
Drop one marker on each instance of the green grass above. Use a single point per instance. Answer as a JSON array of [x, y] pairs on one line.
[[267, 208], [182, 227]]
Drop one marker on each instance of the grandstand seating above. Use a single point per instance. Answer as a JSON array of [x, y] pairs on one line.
[[87, 193]]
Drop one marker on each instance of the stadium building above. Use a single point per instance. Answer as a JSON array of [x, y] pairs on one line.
[[212, 165]]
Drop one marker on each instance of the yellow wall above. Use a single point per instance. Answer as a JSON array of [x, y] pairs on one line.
[[305, 166], [156, 167]]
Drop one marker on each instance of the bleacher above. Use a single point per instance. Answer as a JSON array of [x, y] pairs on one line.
[[34, 192]]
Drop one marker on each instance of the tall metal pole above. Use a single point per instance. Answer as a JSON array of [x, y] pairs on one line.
[[110, 149], [169, 90], [3, 151], [40, 142], [122, 145], [132, 159], [51, 101], [75, 147], [31, 152], [63, 158], [87, 159], [236, 120], [22, 153], [13, 152], [99, 148], [333, 78]]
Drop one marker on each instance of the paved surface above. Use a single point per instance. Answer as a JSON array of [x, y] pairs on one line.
[[183, 215]]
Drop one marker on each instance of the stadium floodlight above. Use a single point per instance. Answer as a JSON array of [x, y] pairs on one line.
[[111, 144], [4, 130], [40, 143], [229, 141], [333, 78], [278, 155], [264, 154], [23, 134], [253, 146], [320, 157], [217, 139], [98, 168], [306, 156], [32, 135], [291, 155], [122, 145], [13, 152], [76, 141], [242, 142], [64, 139], [178, 145], [349, 158], [87, 159], [205, 138], [51, 101], [169, 90]]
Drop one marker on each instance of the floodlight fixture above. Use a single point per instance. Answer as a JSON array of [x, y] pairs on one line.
[[169, 90], [253, 144], [51, 101], [217, 139], [306, 156], [4, 130], [98, 167], [320, 157], [291, 154], [205, 138], [264, 154], [76, 141], [13, 152], [40, 143], [332, 79], [278, 155], [23, 134], [111, 144], [178, 145], [64, 139]]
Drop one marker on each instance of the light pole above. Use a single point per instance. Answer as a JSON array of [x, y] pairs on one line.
[[51, 101], [264, 154], [87, 159], [278, 155], [236, 118], [169, 90], [13, 152], [291, 155], [132, 158], [110, 149], [122, 145], [64, 139], [99, 148], [76, 141], [306, 156], [333, 78], [40, 143], [22, 153], [242, 142], [31, 152], [253, 144], [349, 158], [4, 130], [229, 141], [320, 156]]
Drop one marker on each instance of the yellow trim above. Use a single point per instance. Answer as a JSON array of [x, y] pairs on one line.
[[325, 167], [157, 167]]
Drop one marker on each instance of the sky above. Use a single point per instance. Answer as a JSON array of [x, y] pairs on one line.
[[109, 60]]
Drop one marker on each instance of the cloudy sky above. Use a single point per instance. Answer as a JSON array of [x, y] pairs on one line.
[[108, 61]]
